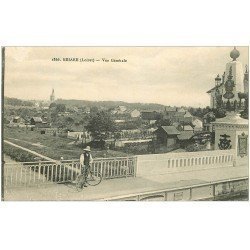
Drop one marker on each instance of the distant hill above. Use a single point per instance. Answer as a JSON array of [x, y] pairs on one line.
[[111, 104], [17, 102], [84, 103]]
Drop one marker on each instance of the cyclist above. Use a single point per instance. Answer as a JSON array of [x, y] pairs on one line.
[[85, 161]]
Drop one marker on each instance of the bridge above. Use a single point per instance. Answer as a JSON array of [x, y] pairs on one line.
[[172, 176]]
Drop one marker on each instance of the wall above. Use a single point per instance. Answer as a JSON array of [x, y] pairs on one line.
[[155, 164]]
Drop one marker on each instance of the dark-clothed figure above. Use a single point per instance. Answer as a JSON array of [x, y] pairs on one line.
[[85, 161]]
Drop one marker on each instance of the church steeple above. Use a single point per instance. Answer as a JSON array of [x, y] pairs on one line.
[[52, 96]]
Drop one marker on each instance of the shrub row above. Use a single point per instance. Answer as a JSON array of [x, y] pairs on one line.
[[18, 154]]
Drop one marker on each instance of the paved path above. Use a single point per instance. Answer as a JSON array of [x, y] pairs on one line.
[[125, 186], [28, 150]]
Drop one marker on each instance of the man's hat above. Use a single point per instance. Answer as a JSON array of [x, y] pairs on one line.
[[87, 149]]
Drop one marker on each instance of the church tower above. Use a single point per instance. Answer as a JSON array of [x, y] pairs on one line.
[[52, 96]]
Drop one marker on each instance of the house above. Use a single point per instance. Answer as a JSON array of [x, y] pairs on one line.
[[169, 112], [16, 121], [187, 128], [36, 120], [46, 129], [167, 135], [198, 125], [185, 138], [150, 116], [181, 111], [135, 113], [188, 118], [119, 110], [86, 110]]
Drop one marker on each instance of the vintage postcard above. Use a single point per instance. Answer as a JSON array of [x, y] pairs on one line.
[[125, 123]]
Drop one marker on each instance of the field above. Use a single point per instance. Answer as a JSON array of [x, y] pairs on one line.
[[52, 146]]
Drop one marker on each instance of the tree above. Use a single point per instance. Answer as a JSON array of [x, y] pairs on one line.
[[60, 108], [52, 105], [163, 122], [100, 125], [93, 110]]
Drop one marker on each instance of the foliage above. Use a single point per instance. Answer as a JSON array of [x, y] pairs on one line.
[[52, 105], [60, 107], [163, 122], [53, 147], [131, 124], [219, 113], [17, 154], [111, 104], [244, 113], [199, 112], [17, 102], [100, 125], [136, 148]]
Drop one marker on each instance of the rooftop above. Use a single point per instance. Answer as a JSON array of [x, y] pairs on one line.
[[185, 135], [170, 130]]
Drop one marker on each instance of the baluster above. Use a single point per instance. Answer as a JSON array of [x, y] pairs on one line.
[[30, 174], [25, 175], [56, 173], [110, 168], [64, 171], [117, 163], [34, 174], [67, 168], [60, 172], [17, 169], [39, 170], [52, 172], [44, 173], [6, 181], [119, 168], [72, 171], [102, 169], [11, 173]]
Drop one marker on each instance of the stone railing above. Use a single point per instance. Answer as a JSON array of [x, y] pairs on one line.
[[45, 172], [31, 173], [184, 161]]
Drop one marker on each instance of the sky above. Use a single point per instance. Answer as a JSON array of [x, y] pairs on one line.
[[175, 76]]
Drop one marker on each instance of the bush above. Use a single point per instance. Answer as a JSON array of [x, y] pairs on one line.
[[18, 154], [136, 148]]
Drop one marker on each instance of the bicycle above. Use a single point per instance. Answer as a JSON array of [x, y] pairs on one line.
[[94, 178]]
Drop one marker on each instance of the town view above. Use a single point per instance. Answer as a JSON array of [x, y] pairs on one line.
[[142, 150]]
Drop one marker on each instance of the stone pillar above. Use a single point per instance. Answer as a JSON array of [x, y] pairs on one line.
[[231, 132]]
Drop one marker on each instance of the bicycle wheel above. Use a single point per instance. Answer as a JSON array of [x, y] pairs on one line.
[[79, 182], [94, 178]]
